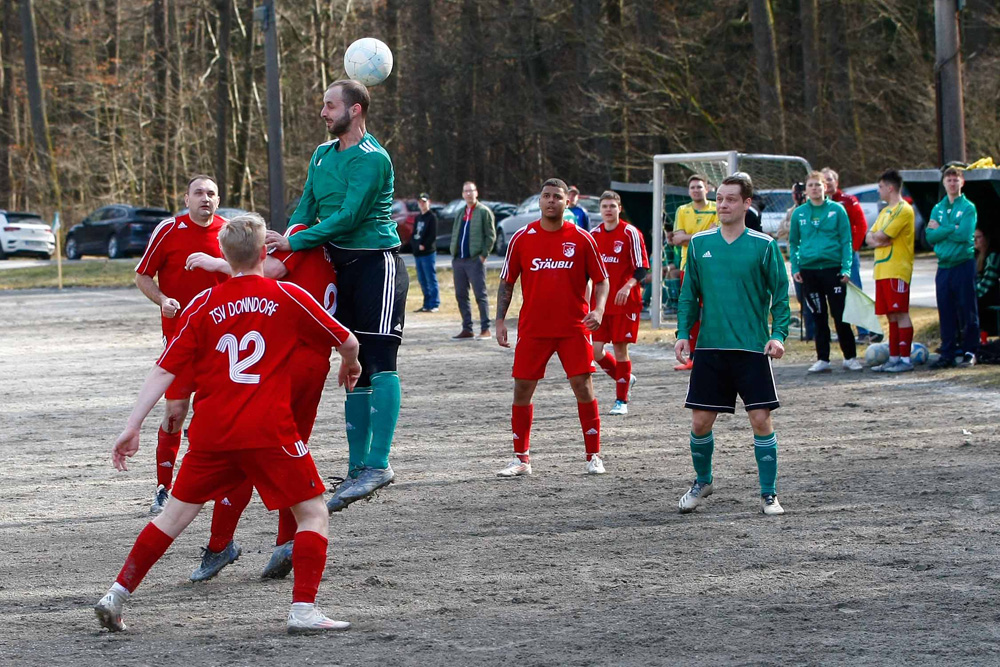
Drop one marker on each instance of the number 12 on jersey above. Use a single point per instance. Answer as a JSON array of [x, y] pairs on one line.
[[229, 345]]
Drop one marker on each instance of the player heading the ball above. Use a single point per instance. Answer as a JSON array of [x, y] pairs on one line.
[[239, 338]]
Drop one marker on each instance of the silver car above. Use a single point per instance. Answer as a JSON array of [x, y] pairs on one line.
[[529, 211]]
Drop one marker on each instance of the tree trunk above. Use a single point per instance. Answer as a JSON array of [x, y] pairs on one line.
[[421, 94], [222, 109], [6, 102], [36, 100], [808, 20], [112, 15], [772, 114], [246, 108], [160, 121], [845, 97]]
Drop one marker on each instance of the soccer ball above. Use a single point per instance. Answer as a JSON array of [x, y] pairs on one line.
[[877, 354], [368, 61], [919, 353]]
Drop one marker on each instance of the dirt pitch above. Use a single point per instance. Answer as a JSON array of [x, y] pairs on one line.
[[887, 555]]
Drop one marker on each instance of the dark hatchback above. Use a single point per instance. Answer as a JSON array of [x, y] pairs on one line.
[[114, 231]]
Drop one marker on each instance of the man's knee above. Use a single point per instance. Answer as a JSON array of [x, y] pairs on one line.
[[583, 387], [702, 421], [174, 414], [760, 420]]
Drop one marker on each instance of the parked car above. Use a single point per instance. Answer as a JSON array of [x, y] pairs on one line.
[[446, 217], [405, 212], [529, 211], [25, 234], [115, 231], [772, 205]]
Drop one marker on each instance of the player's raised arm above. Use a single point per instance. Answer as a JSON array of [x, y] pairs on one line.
[[205, 262]]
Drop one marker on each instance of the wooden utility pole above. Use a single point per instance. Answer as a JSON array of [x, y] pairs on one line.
[[222, 109], [268, 19], [948, 83]]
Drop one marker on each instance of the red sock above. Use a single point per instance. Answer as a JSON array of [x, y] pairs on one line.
[[286, 527], [610, 366], [227, 514], [167, 445], [308, 563], [590, 422], [149, 546], [693, 334], [623, 379], [893, 339], [520, 422], [905, 341]]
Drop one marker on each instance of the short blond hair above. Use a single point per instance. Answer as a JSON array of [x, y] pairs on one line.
[[814, 176], [241, 240]]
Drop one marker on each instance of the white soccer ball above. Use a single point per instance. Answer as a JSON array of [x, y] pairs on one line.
[[919, 353], [877, 354], [368, 61]]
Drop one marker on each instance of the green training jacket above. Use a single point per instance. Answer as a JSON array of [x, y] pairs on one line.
[[819, 237]]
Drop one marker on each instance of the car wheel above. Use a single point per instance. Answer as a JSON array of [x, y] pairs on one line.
[[114, 250], [72, 250], [501, 244]]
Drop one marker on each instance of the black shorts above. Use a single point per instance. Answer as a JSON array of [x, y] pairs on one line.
[[371, 291], [719, 375]]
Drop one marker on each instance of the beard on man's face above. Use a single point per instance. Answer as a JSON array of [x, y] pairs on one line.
[[342, 124]]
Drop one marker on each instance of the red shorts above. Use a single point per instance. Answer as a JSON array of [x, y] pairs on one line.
[[309, 369], [618, 328], [182, 387], [284, 476], [892, 295], [531, 355]]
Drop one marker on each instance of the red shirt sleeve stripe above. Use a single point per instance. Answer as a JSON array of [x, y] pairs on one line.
[[510, 249], [155, 240]]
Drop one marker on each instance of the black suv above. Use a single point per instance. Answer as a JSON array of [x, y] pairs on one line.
[[115, 231]]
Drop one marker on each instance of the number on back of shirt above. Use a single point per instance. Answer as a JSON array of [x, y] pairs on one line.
[[330, 299], [229, 345]]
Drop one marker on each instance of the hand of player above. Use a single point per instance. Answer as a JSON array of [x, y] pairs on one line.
[[844, 278], [125, 447], [169, 307], [593, 319], [484, 259], [621, 296], [774, 349], [349, 373], [933, 224], [797, 277], [682, 350], [501, 328], [276, 241], [200, 260]]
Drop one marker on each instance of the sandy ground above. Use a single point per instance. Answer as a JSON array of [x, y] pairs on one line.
[[887, 553]]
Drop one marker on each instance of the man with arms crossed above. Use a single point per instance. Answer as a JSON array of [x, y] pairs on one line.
[[239, 339], [349, 191], [739, 274], [555, 259], [892, 237], [624, 253]]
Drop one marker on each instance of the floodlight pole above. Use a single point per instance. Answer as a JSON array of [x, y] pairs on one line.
[[948, 82], [268, 18]]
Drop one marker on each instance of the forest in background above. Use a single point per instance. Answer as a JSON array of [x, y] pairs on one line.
[[140, 95]]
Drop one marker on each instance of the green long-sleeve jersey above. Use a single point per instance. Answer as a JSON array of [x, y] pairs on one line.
[[347, 198], [819, 237], [953, 238], [738, 283]]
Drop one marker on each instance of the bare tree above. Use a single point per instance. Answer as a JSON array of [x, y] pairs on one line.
[[36, 102], [222, 109], [772, 113]]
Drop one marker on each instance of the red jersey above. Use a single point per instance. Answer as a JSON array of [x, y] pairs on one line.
[[239, 337], [554, 268], [623, 251], [856, 215], [166, 254], [312, 270]]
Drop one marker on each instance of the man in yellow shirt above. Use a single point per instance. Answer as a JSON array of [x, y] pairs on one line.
[[690, 219], [892, 237]]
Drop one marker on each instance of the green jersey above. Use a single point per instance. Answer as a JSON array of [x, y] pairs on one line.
[[347, 199], [819, 237], [738, 283], [953, 239]]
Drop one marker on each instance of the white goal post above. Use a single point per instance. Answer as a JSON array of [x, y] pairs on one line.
[[772, 174]]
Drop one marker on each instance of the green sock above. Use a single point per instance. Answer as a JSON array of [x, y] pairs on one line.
[[384, 414], [765, 450], [357, 416], [702, 447]]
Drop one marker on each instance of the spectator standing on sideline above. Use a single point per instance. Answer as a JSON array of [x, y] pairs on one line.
[[859, 228], [808, 323], [819, 246], [987, 282], [582, 219], [950, 231], [473, 234], [424, 244]]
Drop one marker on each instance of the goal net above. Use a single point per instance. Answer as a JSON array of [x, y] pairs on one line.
[[772, 175]]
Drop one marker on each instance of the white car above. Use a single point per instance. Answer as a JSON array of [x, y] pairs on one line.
[[25, 234], [868, 198]]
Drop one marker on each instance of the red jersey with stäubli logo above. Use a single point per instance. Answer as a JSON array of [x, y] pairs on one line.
[[239, 338], [554, 268], [623, 251]]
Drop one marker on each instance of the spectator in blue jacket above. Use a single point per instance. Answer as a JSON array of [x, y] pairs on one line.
[[582, 219]]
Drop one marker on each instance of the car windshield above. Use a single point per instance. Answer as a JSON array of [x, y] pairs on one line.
[[590, 204], [25, 218]]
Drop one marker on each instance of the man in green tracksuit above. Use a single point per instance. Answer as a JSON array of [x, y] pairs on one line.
[[739, 276], [819, 244], [347, 201], [951, 231]]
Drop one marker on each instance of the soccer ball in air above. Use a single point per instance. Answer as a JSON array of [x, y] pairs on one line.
[[877, 354], [919, 353], [368, 61]]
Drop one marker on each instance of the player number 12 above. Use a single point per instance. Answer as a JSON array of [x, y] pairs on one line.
[[228, 345]]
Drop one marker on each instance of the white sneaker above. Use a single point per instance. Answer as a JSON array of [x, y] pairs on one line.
[[770, 506], [109, 608], [853, 365], [631, 384], [694, 497], [305, 618], [619, 408], [515, 468], [595, 466], [820, 367]]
